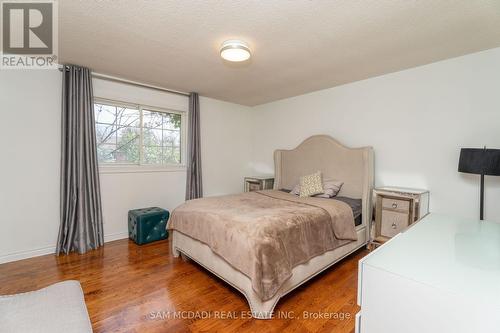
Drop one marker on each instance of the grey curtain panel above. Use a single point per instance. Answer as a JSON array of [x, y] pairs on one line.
[[81, 226], [194, 187]]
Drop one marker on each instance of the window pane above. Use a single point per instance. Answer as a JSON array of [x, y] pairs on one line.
[[127, 117], [128, 145], [105, 134], [106, 153], [152, 119], [128, 153], [171, 138], [117, 139], [171, 155], [172, 121], [152, 155], [127, 133], [105, 114], [152, 137]]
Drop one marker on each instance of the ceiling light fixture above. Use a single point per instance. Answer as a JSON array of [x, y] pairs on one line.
[[235, 50]]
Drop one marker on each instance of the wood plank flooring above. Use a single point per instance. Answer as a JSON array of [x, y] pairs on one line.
[[130, 288]]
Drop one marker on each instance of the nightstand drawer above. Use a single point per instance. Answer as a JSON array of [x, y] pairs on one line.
[[393, 223], [389, 203], [254, 186]]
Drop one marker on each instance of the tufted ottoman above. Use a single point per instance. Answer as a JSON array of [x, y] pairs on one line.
[[147, 225]]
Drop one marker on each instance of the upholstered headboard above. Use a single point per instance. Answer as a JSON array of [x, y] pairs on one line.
[[353, 166]]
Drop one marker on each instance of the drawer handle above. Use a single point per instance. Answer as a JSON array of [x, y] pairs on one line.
[[393, 225], [394, 205]]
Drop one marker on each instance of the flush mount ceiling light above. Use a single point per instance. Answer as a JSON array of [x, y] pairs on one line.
[[235, 50]]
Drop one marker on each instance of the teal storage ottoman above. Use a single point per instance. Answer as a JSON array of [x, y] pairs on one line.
[[147, 225]]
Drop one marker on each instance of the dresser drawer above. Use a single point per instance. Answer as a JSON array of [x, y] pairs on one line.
[[393, 223], [389, 203]]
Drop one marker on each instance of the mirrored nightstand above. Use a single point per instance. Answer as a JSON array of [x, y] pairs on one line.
[[396, 209], [259, 183]]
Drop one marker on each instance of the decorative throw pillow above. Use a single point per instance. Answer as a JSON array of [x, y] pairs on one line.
[[311, 185], [295, 190], [331, 188]]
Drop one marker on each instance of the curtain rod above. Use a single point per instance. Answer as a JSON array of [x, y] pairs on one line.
[[132, 83]]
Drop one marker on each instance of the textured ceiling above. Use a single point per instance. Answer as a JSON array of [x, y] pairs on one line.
[[298, 46]]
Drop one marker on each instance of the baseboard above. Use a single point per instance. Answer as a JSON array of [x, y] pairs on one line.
[[27, 254], [115, 236], [52, 249]]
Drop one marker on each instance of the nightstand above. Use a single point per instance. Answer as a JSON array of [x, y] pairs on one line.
[[396, 209], [259, 183]]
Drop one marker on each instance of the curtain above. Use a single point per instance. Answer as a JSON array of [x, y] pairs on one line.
[[81, 227], [194, 188]]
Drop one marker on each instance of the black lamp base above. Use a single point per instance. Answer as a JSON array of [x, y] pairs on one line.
[[481, 199]]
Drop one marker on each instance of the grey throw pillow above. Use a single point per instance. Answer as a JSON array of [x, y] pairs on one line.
[[331, 188]]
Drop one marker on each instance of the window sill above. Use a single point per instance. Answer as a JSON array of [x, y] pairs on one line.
[[111, 169]]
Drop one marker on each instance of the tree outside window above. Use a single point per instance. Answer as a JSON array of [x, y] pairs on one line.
[[123, 139]]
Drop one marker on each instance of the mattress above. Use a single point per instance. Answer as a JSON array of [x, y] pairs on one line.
[[355, 204]]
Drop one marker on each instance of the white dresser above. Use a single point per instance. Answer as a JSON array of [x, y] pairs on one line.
[[440, 275]]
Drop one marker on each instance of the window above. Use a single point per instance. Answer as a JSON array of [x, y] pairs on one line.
[[138, 135]]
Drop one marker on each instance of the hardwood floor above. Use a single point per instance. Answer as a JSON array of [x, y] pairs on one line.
[[130, 288]]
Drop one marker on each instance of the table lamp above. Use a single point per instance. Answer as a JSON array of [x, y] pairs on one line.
[[480, 161]]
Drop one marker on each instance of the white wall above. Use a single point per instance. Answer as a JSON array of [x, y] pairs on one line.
[[226, 146], [29, 169], [416, 120], [30, 144]]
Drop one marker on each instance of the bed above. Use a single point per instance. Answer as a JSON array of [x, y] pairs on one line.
[[268, 243]]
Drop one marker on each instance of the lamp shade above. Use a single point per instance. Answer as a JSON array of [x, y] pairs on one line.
[[480, 161]]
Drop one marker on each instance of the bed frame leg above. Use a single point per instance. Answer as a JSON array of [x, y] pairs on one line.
[[260, 309], [175, 252]]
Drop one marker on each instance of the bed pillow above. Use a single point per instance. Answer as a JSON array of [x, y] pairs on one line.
[[311, 185], [295, 190], [331, 188]]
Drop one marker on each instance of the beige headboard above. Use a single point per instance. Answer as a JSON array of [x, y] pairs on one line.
[[353, 166]]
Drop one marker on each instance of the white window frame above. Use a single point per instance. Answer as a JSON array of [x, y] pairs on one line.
[[141, 166]]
